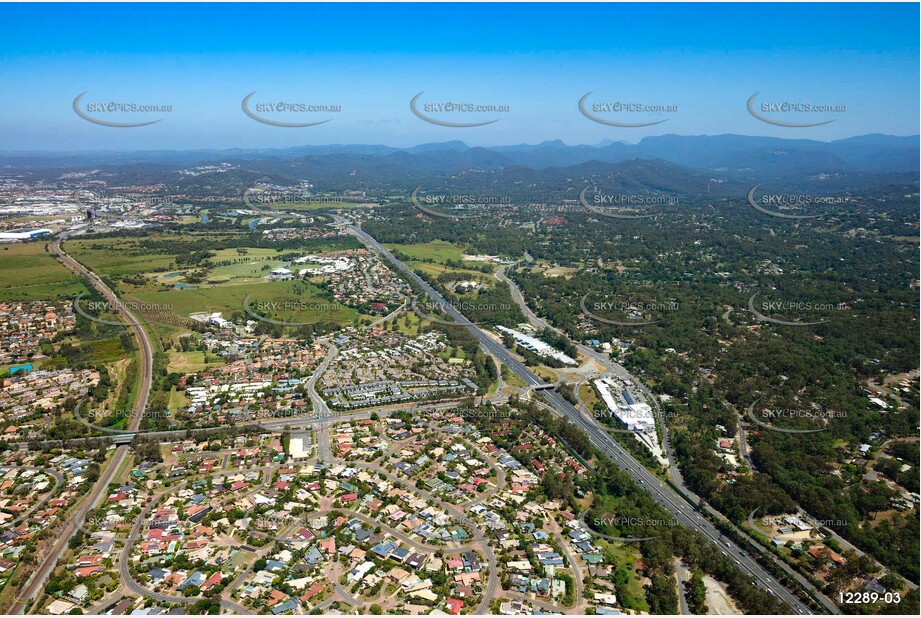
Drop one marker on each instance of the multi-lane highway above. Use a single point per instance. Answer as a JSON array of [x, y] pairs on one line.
[[664, 495], [67, 528], [618, 370], [674, 473]]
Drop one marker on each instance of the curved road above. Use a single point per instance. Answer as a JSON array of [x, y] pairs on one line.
[[76, 517], [618, 370], [674, 471], [492, 587], [664, 495], [124, 557], [58, 485]]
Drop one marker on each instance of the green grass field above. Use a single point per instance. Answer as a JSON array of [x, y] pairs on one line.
[[249, 268], [408, 323], [107, 350], [188, 362], [244, 272], [114, 257], [627, 556], [277, 300], [439, 251], [28, 272], [438, 269], [546, 373], [587, 393], [512, 379], [224, 289], [177, 399], [238, 272]]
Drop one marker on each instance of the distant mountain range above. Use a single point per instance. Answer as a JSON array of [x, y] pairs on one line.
[[735, 155], [671, 163]]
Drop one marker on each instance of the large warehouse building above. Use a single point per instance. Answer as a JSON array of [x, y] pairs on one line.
[[23, 235]]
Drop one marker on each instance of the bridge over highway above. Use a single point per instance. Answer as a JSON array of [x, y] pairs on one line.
[[676, 504], [68, 527]]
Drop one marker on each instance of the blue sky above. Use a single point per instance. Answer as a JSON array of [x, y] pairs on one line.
[[538, 59]]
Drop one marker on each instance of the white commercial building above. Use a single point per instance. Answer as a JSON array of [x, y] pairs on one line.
[[300, 448], [537, 346], [27, 235], [330, 265], [281, 274], [636, 416]]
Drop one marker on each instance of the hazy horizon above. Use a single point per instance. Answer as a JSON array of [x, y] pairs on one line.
[[467, 143], [700, 64]]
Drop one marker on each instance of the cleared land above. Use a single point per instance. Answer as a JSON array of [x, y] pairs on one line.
[[235, 273], [440, 251], [28, 272], [294, 301], [190, 362]]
